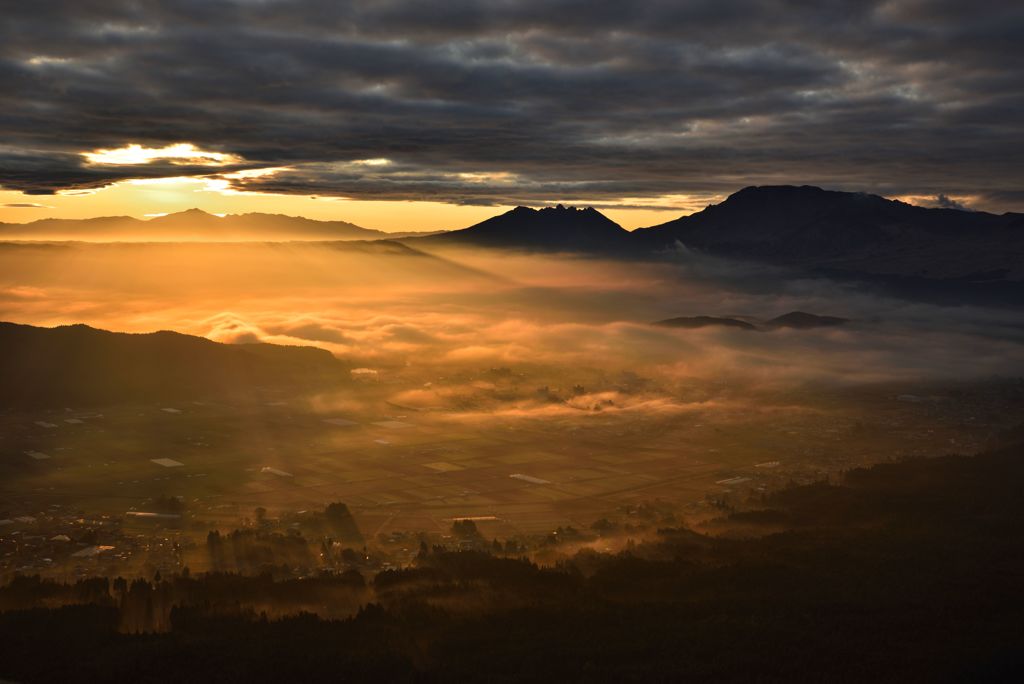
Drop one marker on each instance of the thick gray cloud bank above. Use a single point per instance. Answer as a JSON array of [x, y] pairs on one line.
[[523, 101]]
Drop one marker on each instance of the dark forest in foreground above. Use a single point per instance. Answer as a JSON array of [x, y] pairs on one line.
[[903, 571]]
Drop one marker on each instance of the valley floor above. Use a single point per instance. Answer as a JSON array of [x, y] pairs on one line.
[[903, 572]]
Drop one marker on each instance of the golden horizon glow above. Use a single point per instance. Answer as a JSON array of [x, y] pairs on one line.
[[149, 197], [218, 194], [930, 200]]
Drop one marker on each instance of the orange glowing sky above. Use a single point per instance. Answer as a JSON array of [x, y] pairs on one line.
[[151, 187], [145, 198], [169, 196]]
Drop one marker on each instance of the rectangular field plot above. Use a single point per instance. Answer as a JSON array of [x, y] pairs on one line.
[[527, 457], [443, 467], [393, 424], [166, 462], [529, 478], [587, 489], [364, 475], [340, 422], [623, 458], [418, 494], [581, 474]]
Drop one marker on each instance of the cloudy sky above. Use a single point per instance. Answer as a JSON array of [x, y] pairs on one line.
[[399, 112]]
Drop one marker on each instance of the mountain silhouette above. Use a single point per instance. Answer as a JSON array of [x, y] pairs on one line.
[[933, 254], [194, 225], [806, 226], [557, 228], [199, 224], [944, 255], [77, 365]]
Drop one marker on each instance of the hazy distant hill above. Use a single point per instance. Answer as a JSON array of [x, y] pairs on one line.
[[704, 322], [549, 229], [794, 319], [193, 224], [851, 232], [75, 365]]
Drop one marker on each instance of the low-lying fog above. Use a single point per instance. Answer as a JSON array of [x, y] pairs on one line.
[[384, 306]]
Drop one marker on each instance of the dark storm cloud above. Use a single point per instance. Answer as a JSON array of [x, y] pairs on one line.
[[523, 101]]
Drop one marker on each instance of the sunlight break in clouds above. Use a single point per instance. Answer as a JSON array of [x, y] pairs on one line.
[[179, 153], [217, 183]]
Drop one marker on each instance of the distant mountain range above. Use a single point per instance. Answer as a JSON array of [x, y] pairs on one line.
[[788, 225], [804, 227], [794, 319], [77, 365], [942, 255], [922, 253], [194, 225]]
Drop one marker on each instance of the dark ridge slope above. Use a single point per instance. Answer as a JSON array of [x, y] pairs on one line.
[[77, 365]]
